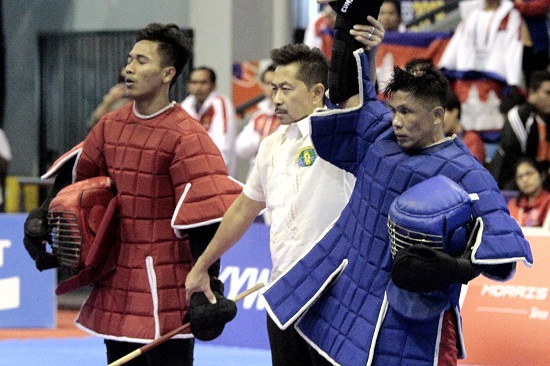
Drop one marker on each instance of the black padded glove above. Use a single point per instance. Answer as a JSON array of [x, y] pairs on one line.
[[420, 268], [343, 76], [357, 10], [36, 228], [208, 320], [36, 235]]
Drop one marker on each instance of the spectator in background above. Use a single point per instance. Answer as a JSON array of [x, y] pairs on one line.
[[536, 41], [214, 111], [115, 98], [452, 126], [486, 41], [531, 206], [5, 158], [390, 16], [319, 32], [515, 96], [525, 132], [261, 124]]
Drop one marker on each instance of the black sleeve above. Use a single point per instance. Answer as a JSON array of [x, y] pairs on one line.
[[199, 238], [64, 177], [343, 76]]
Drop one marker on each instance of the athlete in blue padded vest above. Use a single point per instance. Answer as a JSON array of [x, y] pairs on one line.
[[352, 301]]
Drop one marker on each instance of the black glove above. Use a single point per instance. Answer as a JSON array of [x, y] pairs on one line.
[[343, 81], [36, 228], [357, 10], [343, 78], [36, 235], [420, 268], [208, 320]]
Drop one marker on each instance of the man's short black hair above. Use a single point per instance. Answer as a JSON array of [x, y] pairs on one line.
[[418, 64], [425, 83], [174, 47], [313, 63]]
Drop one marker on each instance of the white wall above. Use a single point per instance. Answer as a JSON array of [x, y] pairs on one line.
[[213, 28], [126, 14]]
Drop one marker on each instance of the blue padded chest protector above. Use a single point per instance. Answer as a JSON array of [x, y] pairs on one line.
[[337, 292]]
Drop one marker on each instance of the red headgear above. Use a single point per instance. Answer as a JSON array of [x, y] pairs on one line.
[[81, 220]]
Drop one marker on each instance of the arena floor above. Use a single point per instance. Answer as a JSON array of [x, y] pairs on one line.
[[67, 345]]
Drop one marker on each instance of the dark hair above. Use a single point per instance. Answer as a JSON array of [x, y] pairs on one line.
[[269, 68], [418, 64], [513, 97], [424, 83], [453, 102], [211, 73], [538, 167], [174, 48], [536, 78], [397, 5], [313, 63]]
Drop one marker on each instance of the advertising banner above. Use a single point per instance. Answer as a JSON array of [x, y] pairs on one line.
[[27, 298], [242, 267], [506, 323]]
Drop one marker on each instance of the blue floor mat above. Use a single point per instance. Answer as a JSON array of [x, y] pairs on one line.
[[90, 351]]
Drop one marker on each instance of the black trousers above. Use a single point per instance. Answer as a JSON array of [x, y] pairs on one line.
[[174, 352], [288, 348]]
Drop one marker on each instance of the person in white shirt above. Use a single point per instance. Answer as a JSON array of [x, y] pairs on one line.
[[304, 193], [262, 123], [483, 58], [320, 30], [214, 111], [5, 158]]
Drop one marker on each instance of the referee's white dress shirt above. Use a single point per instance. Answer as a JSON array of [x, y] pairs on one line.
[[304, 194]]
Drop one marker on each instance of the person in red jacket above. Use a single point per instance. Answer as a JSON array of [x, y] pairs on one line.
[[172, 189], [452, 126], [531, 206]]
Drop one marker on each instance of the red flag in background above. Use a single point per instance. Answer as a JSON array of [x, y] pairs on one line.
[[397, 49]]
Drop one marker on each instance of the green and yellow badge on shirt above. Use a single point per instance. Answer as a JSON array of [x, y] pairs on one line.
[[306, 156]]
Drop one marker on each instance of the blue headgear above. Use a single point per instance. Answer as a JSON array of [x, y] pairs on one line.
[[436, 212]]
